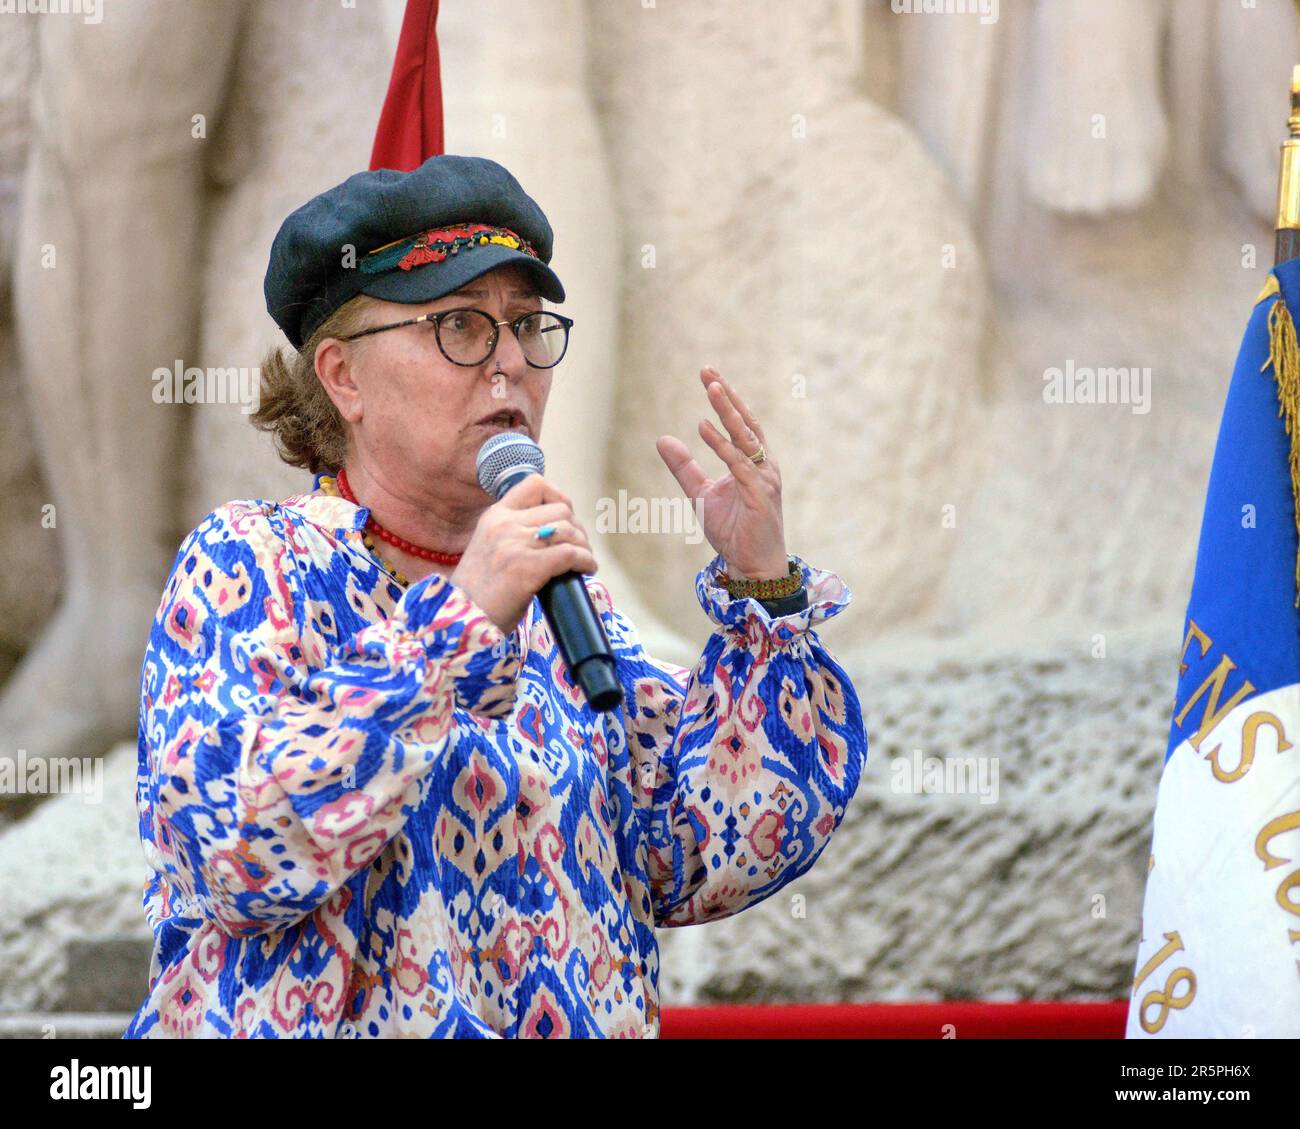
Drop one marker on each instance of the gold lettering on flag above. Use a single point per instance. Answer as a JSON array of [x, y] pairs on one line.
[[1248, 731], [1213, 713], [1274, 827], [1287, 893], [1166, 1000]]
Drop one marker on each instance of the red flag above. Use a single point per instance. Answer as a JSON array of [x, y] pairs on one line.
[[410, 125]]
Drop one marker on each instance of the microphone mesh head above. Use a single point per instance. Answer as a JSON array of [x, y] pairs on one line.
[[503, 457]]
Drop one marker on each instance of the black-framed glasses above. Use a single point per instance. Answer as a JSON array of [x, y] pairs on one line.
[[468, 337]]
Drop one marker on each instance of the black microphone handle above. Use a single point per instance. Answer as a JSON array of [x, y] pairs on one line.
[[581, 637], [578, 632]]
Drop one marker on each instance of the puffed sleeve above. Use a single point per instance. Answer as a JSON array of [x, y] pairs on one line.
[[745, 764], [274, 766]]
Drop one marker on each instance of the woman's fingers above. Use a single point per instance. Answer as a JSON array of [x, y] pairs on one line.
[[530, 505], [745, 438], [683, 467], [534, 490], [534, 516], [741, 466], [565, 549], [713, 376], [742, 436], [564, 531]]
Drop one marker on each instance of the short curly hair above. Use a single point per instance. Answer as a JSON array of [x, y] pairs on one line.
[[294, 406]]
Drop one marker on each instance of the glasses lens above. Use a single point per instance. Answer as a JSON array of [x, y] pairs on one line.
[[466, 336], [543, 337]]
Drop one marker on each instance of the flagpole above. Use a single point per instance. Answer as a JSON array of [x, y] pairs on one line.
[[1287, 244]]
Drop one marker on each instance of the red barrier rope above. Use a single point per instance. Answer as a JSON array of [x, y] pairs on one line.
[[961, 1020]]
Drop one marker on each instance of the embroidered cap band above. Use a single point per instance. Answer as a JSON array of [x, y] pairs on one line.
[[435, 245]]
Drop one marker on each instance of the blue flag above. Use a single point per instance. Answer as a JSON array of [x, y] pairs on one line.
[[1219, 953]]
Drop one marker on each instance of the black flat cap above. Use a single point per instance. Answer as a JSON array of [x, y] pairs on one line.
[[404, 237]]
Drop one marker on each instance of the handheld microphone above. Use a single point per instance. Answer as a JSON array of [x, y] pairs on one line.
[[505, 459]]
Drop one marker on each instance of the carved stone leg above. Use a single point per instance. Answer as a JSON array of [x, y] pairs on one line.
[[947, 89], [106, 290], [1096, 133]]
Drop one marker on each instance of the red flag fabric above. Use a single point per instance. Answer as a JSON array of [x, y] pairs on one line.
[[410, 124]]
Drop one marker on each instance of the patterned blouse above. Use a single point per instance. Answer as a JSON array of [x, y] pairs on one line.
[[367, 811]]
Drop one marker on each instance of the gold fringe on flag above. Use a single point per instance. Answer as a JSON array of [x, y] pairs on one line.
[[1284, 356]]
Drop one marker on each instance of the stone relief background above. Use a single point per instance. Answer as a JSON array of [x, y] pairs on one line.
[[885, 227]]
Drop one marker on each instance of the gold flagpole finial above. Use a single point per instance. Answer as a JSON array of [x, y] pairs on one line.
[[1283, 346], [1288, 186]]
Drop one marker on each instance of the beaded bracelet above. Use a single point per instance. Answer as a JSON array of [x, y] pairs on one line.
[[764, 589], [786, 605]]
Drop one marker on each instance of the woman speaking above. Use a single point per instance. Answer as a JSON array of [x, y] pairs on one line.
[[372, 800]]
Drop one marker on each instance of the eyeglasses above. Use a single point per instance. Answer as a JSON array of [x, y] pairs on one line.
[[468, 336]]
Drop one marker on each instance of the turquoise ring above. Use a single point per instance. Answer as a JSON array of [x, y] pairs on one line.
[[544, 532]]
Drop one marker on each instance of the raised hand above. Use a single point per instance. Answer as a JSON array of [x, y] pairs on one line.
[[741, 510]]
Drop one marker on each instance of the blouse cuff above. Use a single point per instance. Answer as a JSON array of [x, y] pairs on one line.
[[483, 661], [828, 595]]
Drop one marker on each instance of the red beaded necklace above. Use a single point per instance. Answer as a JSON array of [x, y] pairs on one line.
[[399, 542]]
